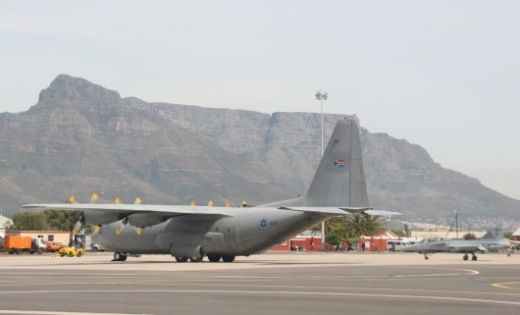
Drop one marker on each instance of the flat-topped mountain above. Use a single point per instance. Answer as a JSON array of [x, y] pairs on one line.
[[82, 138]]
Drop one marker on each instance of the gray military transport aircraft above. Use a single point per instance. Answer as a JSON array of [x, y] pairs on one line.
[[492, 241], [193, 232]]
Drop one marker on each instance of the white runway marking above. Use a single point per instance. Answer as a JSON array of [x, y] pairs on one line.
[[266, 293], [462, 272], [57, 313]]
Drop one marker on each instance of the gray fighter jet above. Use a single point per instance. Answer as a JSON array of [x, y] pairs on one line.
[[193, 232], [492, 241]]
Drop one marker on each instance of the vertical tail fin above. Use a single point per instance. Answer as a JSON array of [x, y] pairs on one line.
[[494, 234], [340, 177]]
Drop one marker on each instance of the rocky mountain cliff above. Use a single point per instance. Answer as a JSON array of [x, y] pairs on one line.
[[82, 138]]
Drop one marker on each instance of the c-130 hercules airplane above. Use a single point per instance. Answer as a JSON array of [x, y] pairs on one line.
[[193, 232]]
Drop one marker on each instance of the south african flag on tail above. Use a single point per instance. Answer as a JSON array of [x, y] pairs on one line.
[[339, 163]]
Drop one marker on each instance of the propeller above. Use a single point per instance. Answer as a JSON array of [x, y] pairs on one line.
[[81, 219], [94, 198], [77, 226], [71, 199], [138, 201], [124, 222]]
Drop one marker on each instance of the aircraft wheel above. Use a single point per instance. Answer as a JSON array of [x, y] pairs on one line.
[[181, 259], [228, 259], [119, 256], [426, 257], [214, 258], [196, 259], [465, 257], [474, 257]]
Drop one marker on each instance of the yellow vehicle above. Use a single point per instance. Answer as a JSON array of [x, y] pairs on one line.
[[72, 251]]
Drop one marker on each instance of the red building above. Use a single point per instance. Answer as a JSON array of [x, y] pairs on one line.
[[313, 243]]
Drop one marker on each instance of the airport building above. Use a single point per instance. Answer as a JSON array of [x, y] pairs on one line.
[[385, 241]]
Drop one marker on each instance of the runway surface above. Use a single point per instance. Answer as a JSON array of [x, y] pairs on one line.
[[291, 283]]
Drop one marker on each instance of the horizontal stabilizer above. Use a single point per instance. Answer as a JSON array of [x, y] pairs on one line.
[[382, 212], [342, 210]]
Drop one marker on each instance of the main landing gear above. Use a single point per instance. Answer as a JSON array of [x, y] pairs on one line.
[[184, 259], [473, 256], [120, 256], [211, 258]]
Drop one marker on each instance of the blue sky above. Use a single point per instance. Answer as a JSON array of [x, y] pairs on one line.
[[441, 74]]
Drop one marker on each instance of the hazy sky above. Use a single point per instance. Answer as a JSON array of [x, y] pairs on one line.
[[441, 74]]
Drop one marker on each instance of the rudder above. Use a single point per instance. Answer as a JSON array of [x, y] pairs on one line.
[[340, 177]]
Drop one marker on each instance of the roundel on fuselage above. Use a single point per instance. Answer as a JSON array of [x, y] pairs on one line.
[[264, 223]]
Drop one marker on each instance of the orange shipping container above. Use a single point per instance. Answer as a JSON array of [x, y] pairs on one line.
[[17, 242]]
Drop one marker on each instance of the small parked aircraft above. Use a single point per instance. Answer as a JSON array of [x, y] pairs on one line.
[[492, 241]]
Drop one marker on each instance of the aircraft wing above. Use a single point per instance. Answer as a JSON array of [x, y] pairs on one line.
[[341, 210], [127, 209], [482, 248], [465, 246]]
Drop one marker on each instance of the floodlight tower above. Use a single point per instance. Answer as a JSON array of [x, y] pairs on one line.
[[322, 96]]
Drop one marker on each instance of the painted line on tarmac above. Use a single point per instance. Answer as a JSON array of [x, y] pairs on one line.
[[514, 285], [461, 272], [266, 293], [58, 313]]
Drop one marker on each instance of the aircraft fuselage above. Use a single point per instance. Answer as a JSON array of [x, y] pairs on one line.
[[247, 231]]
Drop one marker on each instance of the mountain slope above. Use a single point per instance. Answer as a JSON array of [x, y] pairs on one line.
[[82, 138]]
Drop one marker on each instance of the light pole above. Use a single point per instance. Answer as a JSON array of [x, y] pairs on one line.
[[456, 224], [322, 96]]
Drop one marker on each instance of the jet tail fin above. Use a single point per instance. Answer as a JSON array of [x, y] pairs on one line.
[[340, 177], [494, 234], [339, 180]]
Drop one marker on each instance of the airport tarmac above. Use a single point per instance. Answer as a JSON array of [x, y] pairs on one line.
[[271, 283]]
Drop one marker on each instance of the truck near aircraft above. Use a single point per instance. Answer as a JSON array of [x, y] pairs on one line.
[[14, 244]]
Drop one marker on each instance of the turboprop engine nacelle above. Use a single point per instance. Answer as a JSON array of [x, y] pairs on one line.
[[144, 219], [100, 218]]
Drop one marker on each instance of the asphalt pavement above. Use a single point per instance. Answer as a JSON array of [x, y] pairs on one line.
[[273, 283]]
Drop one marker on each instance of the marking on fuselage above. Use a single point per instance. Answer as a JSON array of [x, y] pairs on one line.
[[264, 223]]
